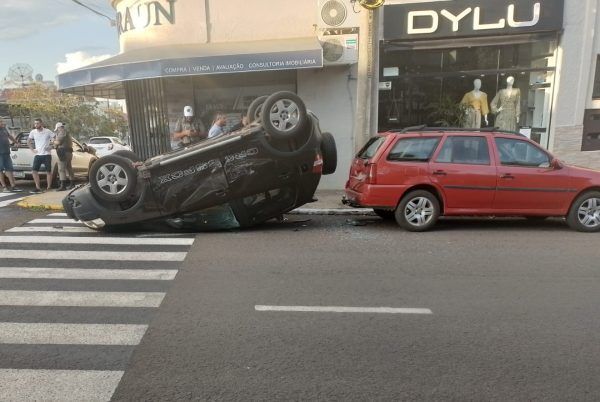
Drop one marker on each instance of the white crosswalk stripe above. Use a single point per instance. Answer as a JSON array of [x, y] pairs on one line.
[[58, 385], [101, 274], [71, 256], [98, 240], [94, 255], [71, 334], [80, 299]]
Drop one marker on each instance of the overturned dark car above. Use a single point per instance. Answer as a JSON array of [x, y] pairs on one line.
[[240, 179]]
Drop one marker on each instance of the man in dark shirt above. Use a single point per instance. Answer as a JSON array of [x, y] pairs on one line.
[[6, 165]]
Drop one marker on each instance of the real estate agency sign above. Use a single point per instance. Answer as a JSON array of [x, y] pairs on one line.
[[467, 18]]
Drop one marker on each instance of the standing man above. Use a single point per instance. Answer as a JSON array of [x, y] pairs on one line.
[[6, 166], [187, 129], [64, 152], [43, 139], [217, 128]]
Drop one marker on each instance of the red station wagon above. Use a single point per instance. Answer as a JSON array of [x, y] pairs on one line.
[[419, 174]]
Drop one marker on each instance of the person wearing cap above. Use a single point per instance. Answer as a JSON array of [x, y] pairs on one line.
[[6, 165], [188, 129], [40, 142], [64, 150]]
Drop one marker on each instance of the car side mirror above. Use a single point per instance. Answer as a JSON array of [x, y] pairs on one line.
[[556, 164]]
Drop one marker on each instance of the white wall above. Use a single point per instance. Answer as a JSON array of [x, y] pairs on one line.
[[577, 51], [331, 94]]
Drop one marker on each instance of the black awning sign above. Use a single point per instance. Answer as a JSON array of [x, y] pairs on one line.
[[464, 18]]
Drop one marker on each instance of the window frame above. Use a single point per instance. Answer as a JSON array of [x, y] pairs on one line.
[[438, 139], [487, 143], [534, 145]]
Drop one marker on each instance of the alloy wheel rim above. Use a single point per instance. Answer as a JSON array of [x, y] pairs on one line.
[[112, 178], [589, 213], [285, 115], [419, 211]]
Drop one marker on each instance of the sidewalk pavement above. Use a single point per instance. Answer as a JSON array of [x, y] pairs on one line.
[[329, 203]]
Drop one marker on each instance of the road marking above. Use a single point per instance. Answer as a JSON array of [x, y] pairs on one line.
[[333, 309], [99, 240], [94, 255], [48, 229], [9, 202], [71, 334], [101, 274], [59, 214], [58, 385], [68, 220], [80, 299]]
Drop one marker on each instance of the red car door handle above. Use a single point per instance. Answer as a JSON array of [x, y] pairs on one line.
[[507, 176], [439, 173]]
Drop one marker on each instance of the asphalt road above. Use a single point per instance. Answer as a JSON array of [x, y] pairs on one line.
[[514, 315]]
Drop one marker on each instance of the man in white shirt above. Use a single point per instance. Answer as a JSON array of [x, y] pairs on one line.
[[43, 139], [217, 128]]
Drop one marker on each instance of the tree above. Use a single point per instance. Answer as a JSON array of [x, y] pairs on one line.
[[84, 116]]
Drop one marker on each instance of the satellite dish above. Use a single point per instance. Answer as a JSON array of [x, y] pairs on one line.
[[39, 77], [20, 73]]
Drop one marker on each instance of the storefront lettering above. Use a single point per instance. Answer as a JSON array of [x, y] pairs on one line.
[[433, 17], [145, 14]]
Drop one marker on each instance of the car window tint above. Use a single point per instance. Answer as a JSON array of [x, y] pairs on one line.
[[99, 141], [465, 150], [413, 149], [371, 148], [521, 153]]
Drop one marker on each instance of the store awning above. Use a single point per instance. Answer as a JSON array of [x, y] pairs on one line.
[[105, 79]]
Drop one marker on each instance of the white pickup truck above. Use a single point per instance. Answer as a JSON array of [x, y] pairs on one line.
[[22, 158]]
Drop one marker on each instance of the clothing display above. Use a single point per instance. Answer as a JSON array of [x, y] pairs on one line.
[[507, 106], [477, 106]]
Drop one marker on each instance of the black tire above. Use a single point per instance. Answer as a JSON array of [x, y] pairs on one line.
[[113, 178], [418, 211], [132, 156], [385, 214], [255, 109], [584, 215], [284, 115], [329, 152]]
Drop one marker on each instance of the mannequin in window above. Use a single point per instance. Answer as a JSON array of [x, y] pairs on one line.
[[507, 106], [476, 102]]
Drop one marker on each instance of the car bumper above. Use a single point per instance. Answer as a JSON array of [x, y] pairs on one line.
[[374, 196]]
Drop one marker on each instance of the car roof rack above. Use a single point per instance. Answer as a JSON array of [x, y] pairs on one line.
[[456, 129]]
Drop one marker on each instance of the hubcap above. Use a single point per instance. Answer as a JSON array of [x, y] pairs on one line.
[[589, 213], [285, 115], [112, 178], [419, 211]]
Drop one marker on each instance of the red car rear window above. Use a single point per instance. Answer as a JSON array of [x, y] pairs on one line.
[[370, 148]]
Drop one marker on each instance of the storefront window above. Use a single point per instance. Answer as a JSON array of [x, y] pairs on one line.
[[430, 84]]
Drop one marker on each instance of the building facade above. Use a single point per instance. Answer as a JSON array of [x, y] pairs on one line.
[[406, 63]]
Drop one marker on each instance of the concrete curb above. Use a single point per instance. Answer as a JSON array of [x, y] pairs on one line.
[[332, 211], [36, 205]]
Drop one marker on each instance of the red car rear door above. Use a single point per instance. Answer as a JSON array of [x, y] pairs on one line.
[[526, 180], [465, 171]]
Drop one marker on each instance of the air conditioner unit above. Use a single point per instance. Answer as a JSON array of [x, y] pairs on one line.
[[338, 14], [339, 49]]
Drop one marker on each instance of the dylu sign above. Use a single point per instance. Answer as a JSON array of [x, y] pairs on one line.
[[464, 18]]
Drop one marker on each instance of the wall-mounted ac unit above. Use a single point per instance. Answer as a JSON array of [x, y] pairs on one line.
[[339, 49], [337, 14]]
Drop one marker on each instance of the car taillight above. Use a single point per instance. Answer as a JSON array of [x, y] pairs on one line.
[[110, 147], [318, 164], [371, 174]]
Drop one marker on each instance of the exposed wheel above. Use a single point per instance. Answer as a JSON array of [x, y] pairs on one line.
[[329, 151], [255, 108], [125, 153], [385, 214], [113, 178], [284, 115], [584, 215], [418, 211]]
